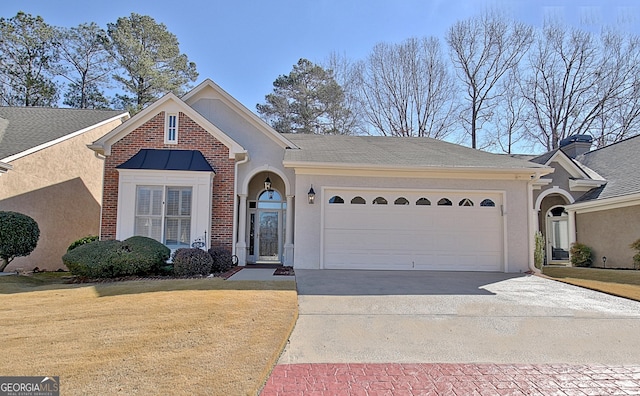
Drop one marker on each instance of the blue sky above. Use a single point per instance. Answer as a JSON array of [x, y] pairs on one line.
[[243, 45]]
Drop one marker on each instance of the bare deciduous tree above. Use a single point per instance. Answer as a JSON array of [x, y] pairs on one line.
[[405, 89], [508, 126], [580, 86], [483, 49], [620, 115], [350, 116]]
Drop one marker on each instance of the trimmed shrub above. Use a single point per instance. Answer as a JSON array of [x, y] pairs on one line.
[[538, 254], [112, 259], [222, 260], [636, 258], [581, 255], [191, 261], [82, 241], [19, 235]]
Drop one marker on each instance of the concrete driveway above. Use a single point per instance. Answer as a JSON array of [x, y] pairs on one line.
[[457, 317]]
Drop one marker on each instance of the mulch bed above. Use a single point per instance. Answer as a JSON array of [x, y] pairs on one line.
[[286, 271]]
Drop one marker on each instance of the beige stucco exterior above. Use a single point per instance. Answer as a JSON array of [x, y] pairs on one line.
[[59, 186], [609, 233]]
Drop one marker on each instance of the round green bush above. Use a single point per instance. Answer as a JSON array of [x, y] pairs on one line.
[[581, 255], [112, 259], [19, 236], [222, 260], [191, 261], [82, 241]]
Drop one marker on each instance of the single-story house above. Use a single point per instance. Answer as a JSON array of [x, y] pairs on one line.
[[592, 197], [203, 167], [46, 172]]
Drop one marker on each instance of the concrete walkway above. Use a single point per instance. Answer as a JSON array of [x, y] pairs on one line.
[[259, 274], [442, 333]]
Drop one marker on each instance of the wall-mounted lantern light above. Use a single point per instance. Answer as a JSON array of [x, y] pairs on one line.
[[267, 183], [604, 261], [311, 195]]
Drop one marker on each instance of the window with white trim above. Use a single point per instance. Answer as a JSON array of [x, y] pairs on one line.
[[164, 214], [171, 129]]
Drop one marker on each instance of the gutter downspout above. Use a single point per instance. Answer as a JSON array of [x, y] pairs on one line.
[[235, 202], [530, 210]]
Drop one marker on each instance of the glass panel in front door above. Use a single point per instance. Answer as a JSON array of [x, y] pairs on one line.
[[559, 239], [268, 236]]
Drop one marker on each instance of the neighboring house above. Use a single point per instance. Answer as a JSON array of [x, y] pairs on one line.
[[593, 197], [47, 172], [204, 167]]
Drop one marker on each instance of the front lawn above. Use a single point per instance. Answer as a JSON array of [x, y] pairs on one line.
[[182, 337], [623, 283]]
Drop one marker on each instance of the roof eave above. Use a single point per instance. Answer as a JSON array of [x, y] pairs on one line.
[[605, 203], [103, 145], [4, 167], [540, 170]]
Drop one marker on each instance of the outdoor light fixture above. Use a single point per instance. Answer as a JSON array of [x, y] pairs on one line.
[[311, 195], [604, 261], [267, 184]]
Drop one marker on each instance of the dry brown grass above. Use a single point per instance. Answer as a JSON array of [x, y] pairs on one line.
[[179, 337], [623, 283]]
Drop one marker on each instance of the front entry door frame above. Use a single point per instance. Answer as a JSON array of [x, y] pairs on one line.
[[263, 213], [557, 235]]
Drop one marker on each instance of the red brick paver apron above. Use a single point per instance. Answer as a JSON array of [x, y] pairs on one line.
[[452, 379]]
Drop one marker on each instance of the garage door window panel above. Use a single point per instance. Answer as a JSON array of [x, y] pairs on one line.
[[423, 202], [401, 201], [445, 202], [465, 202], [487, 203], [336, 199], [358, 201], [379, 201]]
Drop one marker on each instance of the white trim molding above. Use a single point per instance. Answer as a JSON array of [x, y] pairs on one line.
[[605, 204], [552, 190], [200, 182]]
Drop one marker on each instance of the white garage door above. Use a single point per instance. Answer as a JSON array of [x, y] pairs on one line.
[[423, 230]]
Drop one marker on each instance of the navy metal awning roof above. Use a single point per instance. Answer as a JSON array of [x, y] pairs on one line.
[[181, 160]]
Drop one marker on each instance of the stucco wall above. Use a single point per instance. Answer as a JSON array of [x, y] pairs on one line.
[[308, 217], [61, 188], [264, 153], [609, 233]]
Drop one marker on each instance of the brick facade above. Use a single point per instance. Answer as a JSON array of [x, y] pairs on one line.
[[190, 137]]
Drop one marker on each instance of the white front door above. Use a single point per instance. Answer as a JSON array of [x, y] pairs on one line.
[[557, 235]]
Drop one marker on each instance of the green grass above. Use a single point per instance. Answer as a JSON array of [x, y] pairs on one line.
[[623, 283]]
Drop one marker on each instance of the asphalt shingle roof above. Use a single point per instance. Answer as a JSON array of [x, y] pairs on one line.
[[395, 152], [619, 164], [22, 128]]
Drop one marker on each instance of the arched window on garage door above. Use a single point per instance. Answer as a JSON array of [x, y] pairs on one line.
[[379, 201], [358, 201], [401, 201], [488, 202], [336, 199], [445, 202], [465, 202], [423, 201]]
